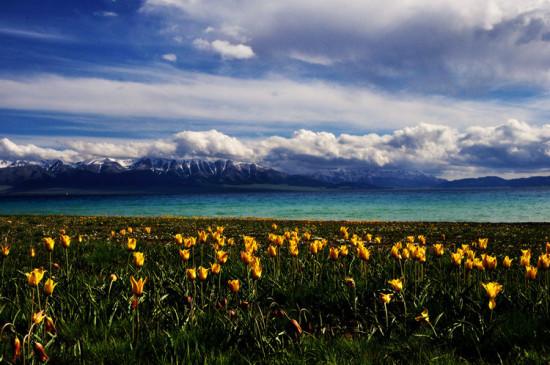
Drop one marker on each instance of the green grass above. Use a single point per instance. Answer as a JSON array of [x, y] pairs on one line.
[[181, 321]]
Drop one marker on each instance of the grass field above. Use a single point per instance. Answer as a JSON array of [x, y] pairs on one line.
[[308, 291]]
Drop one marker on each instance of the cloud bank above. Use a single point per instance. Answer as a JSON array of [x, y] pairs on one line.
[[512, 148]]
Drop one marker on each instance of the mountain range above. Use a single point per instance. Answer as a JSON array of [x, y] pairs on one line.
[[170, 176]]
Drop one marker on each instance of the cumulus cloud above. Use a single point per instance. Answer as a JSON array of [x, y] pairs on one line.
[[227, 50], [469, 47], [510, 148], [170, 57]]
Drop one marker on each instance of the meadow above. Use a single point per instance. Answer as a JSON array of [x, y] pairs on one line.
[[226, 290]]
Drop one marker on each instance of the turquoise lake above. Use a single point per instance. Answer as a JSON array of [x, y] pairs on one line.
[[483, 205]]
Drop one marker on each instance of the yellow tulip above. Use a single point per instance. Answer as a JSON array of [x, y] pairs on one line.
[[203, 273], [482, 243], [113, 233], [479, 264], [406, 254], [344, 232], [137, 286], [385, 298], [274, 227], [369, 237], [307, 236], [439, 250], [203, 236], [233, 285], [256, 271], [216, 268], [130, 230], [219, 230], [184, 254], [422, 240], [410, 239], [222, 256], [231, 241], [507, 262], [246, 257], [131, 245], [50, 326], [139, 259], [333, 254], [395, 252], [38, 317], [189, 242], [423, 317], [49, 286], [492, 289], [148, 230], [178, 239], [272, 251], [548, 248], [123, 232], [65, 240], [5, 250], [344, 250], [530, 272], [313, 248], [543, 262], [490, 262], [79, 238], [32, 252], [48, 243], [350, 282], [378, 240], [35, 276], [363, 253], [469, 264], [397, 284], [456, 258], [294, 251], [191, 274], [113, 277]]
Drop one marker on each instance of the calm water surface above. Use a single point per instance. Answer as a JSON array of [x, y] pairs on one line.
[[515, 205]]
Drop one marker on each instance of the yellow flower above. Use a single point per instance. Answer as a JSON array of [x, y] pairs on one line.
[[184, 254], [439, 249], [203, 273], [32, 252], [48, 243], [123, 232], [548, 248], [492, 289], [344, 250], [178, 238], [530, 272], [406, 253], [507, 262], [38, 317], [219, 230], [363, 253], [314, 247], [137, 286], [50, 326], [148, 230], [385, 298], [203, 236], [230, 241], [5, 250], [191, 274], [344, 232], [294, 251], [222, 256], [113, 277], [307, 236], [543, 262], [130, 230], [369, 237], [274, 227], [189, 242], [456, 258], [395, 252], [333, 254], [79, 238], [350, 282], [246, 257], [113, 233], [131, 244], [422, 240], [216, 268], [49, 286], [256, 271], [139, 259], [490, 262], [65, 240], [378, 240], [469, 264], [423, 317], [233, 285], [272, 251], [482, 243], [35, 276], [410, 239], [397, 284]]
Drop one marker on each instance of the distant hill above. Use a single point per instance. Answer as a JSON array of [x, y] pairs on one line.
[[150, 175]]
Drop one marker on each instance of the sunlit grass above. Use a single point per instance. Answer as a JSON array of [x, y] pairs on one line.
[[309, 291]]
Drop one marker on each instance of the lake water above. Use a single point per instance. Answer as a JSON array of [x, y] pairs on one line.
[[514, 205]]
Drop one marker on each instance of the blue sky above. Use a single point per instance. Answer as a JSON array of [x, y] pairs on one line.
[[451, 88]]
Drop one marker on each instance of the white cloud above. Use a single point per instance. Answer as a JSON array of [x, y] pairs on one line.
[[225, 49], [170, 57], [512, 148]]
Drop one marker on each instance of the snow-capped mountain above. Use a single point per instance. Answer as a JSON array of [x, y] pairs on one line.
[[383, 178], [145, 174]]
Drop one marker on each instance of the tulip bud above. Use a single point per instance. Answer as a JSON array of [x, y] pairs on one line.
[[50, 326], [113, 277], [16, 349], [40, 352]]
